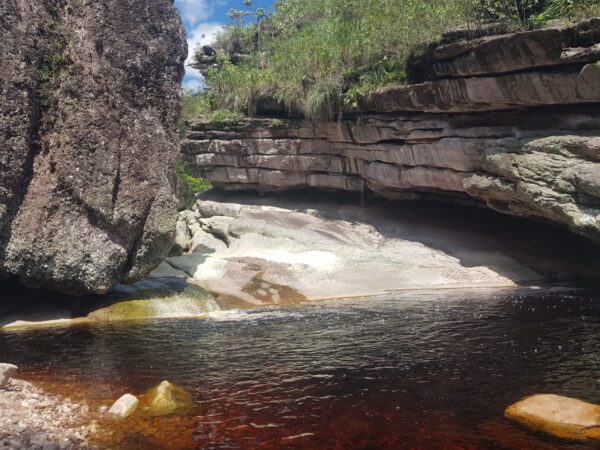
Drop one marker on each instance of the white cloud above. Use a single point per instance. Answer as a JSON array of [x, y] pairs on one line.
[[202, 34], [193, 12]]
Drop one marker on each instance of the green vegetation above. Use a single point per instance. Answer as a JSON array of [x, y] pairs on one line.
[[197, 104], [190, 184], [319, 57], [194, 105], [571, 9], [52, 63]]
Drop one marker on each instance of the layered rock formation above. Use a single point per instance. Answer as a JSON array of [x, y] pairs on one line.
[[511, 121], [91, 96]]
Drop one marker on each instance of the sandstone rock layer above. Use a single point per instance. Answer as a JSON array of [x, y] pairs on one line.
[[91, 96], [510, 121]]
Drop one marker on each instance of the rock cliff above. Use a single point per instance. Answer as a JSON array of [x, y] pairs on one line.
[[91, 96], [510, 121]]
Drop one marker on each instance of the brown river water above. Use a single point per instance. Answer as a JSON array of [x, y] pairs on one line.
[[425, 370]]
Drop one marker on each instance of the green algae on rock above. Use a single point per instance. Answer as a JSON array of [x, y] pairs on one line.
[[166, 399], [149, 299]]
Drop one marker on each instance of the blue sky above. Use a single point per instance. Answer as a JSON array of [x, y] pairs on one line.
[[202, 19]]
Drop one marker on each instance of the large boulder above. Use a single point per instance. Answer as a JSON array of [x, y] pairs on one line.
[[90, 99]]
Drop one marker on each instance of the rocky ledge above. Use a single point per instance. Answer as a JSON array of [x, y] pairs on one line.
[[509, 121], [88, 142], [279, 249]]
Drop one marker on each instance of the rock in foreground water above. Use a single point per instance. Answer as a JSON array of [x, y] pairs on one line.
[[6, 372], [125, 406], [90, 99], [166, 398], [559, 416]]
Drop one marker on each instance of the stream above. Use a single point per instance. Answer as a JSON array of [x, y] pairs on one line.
[[417, 370]]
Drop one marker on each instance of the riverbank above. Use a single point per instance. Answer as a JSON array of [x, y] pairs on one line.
[[256, 250], [34, 420]]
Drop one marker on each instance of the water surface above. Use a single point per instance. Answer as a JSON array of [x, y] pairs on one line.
[[427, 370]]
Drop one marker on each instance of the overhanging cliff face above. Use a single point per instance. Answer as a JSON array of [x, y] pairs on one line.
[[90, 99], [512, 121]]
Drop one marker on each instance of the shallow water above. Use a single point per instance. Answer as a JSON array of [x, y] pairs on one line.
[[425, 370]]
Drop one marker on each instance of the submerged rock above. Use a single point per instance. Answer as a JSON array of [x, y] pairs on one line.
[[165, 399], [559, 416], [90, 98], [148, 299], [125, 406], [6, 372]]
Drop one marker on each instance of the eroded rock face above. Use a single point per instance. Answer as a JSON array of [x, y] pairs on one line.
[[511, 121], [91, 95]]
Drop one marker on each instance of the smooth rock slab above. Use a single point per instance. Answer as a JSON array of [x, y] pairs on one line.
[[125, 406], [559, 416], [282, 249], [6, 372]]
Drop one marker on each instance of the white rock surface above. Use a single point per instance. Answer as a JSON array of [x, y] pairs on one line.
[[270, 249], [6, 372], [125, 406]]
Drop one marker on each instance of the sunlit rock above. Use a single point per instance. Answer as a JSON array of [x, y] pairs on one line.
[[165, 399], [559, 416], [149, 299], [125, 406], [286, 249], [6, 372], [508, 121]]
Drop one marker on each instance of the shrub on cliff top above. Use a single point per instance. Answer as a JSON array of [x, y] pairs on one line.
[[317, 57], [307, 54]]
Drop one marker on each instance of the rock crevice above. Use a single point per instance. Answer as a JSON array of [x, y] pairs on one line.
[[87, 140]]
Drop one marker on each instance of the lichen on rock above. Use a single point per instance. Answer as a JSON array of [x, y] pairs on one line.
[[91, 97]]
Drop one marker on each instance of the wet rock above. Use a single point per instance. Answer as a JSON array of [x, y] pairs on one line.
[[6, 372], [90, 98], [148, 299], [559, 416], [125, 406], [165, 399]]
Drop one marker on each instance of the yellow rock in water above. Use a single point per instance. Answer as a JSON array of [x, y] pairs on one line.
[[166, 398], [563, 417]]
